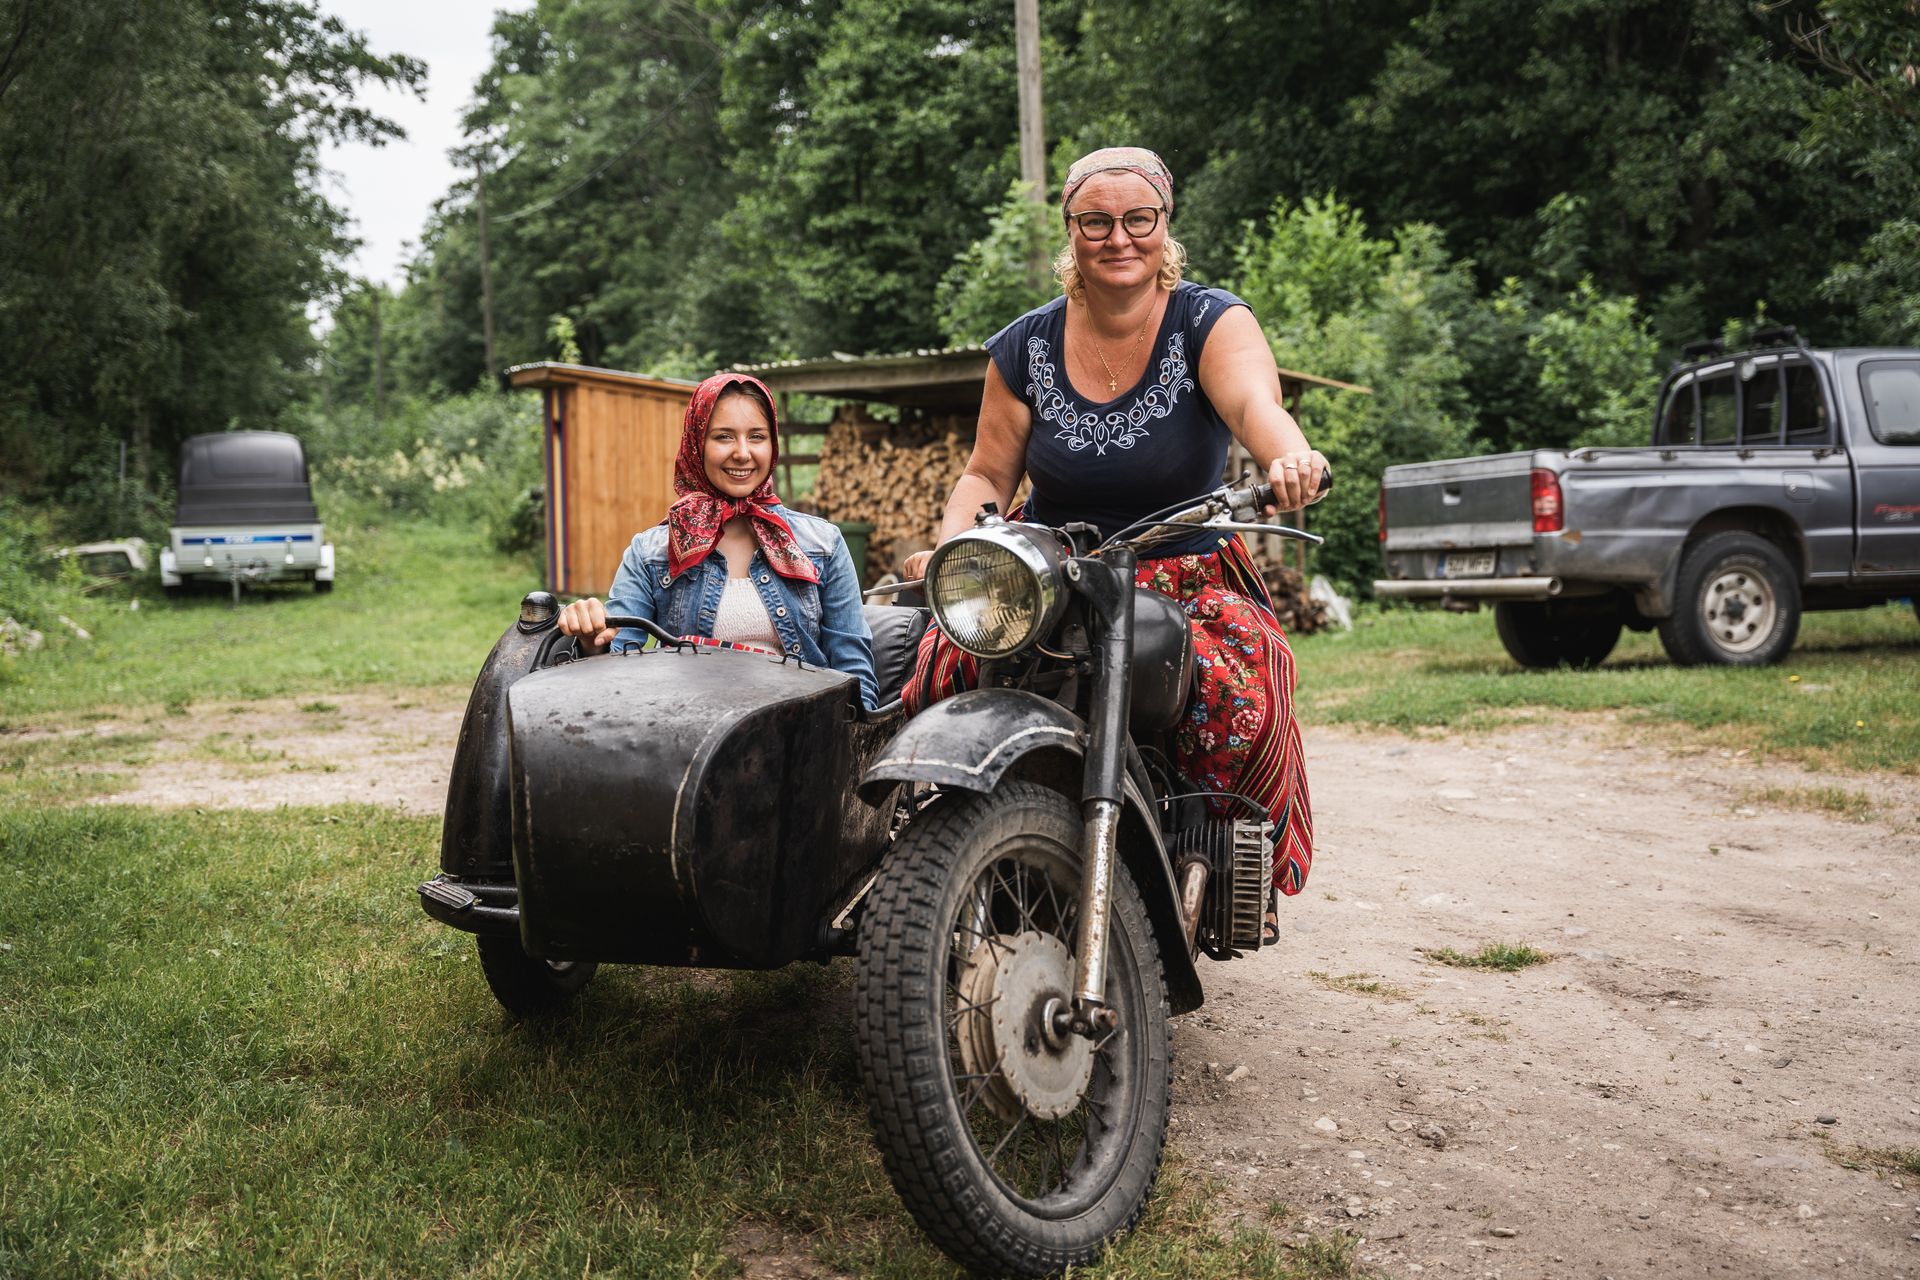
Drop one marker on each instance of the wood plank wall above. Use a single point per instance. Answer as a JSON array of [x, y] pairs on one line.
[[618, 446]]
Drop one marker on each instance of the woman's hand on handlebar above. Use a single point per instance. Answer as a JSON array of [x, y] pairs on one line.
[[914, 567], [1296, 480], [587, 619]]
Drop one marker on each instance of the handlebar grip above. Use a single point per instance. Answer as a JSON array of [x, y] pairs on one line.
[[1263, 492]]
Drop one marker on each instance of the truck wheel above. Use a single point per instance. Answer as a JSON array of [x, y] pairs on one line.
[[1555, 634], [1021, 1149], [322, 585], [1737, 604], [527, 987]]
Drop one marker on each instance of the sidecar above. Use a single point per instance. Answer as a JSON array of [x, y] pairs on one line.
[[687, 805]]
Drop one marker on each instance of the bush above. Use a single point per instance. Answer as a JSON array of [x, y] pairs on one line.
[[468, 459], [1381, 313], [993, 280], [34, 589]]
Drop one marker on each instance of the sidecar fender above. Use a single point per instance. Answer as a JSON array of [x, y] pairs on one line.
[[973, 740]]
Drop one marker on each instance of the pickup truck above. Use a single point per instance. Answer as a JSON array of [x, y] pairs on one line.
[[1779, 479]]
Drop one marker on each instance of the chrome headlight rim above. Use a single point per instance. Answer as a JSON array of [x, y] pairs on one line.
[[1037, 551]]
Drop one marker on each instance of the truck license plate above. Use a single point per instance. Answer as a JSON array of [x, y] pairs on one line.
[[1470, 564]]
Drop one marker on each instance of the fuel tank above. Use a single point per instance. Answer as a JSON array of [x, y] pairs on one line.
[[692, 806]]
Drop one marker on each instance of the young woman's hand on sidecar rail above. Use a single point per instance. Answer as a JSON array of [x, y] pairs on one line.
[[587, 619]]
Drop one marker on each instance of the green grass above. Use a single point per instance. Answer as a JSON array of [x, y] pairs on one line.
[[1883, 1159], [1506, 956], [1839, 801], [1847, 697], [231, 1045], [1361, 984], [415, 604]]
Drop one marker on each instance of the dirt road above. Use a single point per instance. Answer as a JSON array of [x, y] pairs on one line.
[[1733, 1005], [1730, 1018]]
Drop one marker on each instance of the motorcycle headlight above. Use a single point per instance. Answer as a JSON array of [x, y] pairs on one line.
[[995, 589]]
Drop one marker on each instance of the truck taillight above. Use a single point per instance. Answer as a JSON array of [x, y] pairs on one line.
[[1383, 513], [1549, 513]]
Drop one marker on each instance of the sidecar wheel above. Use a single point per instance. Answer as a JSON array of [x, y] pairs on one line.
[[527, 987], [1018, 1154]]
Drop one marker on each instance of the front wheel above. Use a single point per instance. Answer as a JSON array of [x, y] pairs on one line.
[[1555, 634], [528, 987], [1737, 604], [1018, 1150]]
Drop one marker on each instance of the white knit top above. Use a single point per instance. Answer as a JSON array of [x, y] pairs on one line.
[[743, 616]]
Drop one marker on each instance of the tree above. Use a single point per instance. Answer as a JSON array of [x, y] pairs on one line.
[[994, 280], [161, 218]]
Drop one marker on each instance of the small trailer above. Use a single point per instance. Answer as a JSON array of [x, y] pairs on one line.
[[245, 515]]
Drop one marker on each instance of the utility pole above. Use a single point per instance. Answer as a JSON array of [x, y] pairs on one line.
[[1033, 133], [486, 270], [379, 359]]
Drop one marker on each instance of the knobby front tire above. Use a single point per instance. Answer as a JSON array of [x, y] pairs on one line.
[[1001, 1190]]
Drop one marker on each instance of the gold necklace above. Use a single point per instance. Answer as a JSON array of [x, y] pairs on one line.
[[1113, 383]]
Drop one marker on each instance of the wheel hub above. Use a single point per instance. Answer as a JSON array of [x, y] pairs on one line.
[[1009, 990], [1738, 608]]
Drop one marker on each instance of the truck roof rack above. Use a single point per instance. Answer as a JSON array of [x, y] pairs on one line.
[[1777, 335], [1705, 349]]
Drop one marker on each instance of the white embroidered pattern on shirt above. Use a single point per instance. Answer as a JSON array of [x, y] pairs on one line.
[[1080, 429]]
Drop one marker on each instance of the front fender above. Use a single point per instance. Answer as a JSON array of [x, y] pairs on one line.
[[970, 740], [974, 739]]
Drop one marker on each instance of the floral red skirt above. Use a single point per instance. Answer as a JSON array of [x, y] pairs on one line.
[[1239, 733]]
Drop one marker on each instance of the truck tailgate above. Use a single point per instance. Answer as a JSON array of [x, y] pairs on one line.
[[1464, 502]]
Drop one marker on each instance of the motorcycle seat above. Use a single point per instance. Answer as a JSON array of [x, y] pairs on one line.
[[896, 643]]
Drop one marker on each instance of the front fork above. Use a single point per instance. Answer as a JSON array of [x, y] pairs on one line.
[[1107, 586]]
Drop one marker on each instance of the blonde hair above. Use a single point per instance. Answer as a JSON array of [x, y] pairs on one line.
[[1173, 268]]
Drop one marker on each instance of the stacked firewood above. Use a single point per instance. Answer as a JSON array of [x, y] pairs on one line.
[[1298, 615], [895, 476]]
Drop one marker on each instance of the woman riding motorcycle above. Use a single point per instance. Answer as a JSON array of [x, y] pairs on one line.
[[1111, 427]]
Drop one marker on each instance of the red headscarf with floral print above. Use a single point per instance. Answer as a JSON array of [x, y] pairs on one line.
[[697, 516]]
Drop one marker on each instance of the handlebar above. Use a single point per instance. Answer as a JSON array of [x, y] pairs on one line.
[[621, 621], [1236, 507]]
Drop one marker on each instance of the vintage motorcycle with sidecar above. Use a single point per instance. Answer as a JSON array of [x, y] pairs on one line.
[[1022, 873]]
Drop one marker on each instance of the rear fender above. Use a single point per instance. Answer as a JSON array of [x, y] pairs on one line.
[[974, 740]]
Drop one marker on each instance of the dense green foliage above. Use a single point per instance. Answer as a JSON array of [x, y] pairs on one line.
[[716, 181], [161, 226], [1565, 191]]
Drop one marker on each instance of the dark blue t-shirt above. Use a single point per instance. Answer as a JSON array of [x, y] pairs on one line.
[[1110, 463]]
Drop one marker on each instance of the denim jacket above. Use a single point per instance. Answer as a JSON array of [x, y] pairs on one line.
[[821, 623]]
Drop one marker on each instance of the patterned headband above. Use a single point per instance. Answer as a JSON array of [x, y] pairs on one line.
[[1135, 160]]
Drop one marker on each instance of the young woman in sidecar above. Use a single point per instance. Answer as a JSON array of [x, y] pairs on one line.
[[731, 563]]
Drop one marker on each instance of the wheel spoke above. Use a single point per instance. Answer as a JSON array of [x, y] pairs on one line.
[[980, 1090], [967, 1006], [1007, 1137]]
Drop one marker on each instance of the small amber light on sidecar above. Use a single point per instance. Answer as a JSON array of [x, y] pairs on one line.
[[537, 609]]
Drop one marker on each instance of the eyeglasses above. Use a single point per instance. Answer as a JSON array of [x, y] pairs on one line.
[[1097, 224]]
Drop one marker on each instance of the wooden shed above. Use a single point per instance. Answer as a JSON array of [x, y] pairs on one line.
[[610, 443]]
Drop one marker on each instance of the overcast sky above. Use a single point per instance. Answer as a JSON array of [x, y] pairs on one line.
[[389, 190]]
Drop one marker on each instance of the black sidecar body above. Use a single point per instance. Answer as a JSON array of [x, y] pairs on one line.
[[682, 806]]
